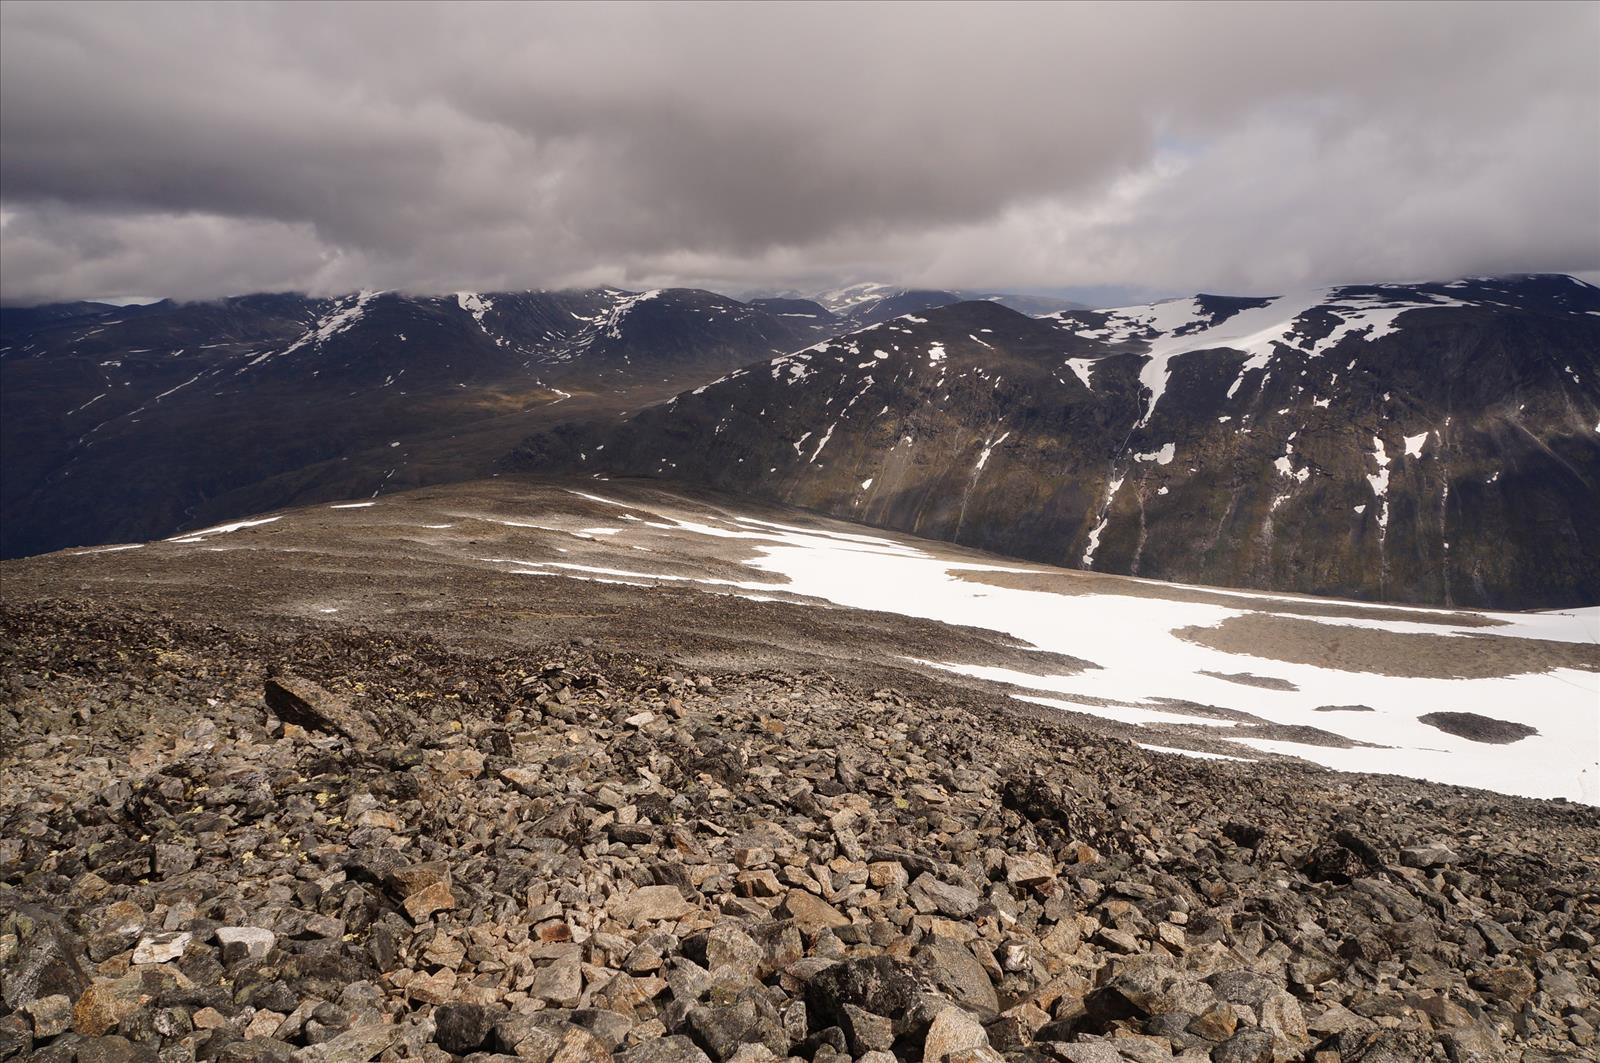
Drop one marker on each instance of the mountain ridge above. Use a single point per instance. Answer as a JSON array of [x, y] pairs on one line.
[[1243, 427]]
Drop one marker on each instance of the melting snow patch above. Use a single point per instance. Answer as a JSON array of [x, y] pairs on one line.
[[1105, 515], [1163, 456], [1192, 753], [352, 505], [1080, 367], [988, 448], [612, 326], [1379, 482], [221, 529]]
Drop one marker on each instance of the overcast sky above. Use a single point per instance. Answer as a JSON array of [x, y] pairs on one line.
[[195, 150]]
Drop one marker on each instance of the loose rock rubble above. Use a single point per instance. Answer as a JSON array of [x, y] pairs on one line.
[[239, 845]]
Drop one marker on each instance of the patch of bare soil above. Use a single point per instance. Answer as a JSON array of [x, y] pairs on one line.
[[1354, 649]]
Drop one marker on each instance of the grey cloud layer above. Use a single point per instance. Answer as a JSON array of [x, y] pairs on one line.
[[199, 150]]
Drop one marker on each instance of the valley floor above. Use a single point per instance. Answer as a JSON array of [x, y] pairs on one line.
[[562, 771]]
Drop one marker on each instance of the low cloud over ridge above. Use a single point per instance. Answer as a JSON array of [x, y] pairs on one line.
[[198, 151]]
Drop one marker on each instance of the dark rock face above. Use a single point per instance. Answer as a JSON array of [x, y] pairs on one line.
[[1428, 443], [134, 423]]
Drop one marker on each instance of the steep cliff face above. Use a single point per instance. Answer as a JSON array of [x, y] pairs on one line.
[[1420, 443]]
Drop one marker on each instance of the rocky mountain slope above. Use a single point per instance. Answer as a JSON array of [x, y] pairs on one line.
[[400, 800], [1419, 443], [135, 422]]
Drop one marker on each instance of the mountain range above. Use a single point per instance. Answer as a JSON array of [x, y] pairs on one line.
[[133, 422], [1429, 443]]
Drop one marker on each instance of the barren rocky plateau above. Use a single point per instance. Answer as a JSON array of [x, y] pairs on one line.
[[232, 833]]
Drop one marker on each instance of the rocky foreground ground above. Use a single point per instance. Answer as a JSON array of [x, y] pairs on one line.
[[291, 841]]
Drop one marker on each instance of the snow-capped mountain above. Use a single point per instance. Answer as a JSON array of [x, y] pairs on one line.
[[1428, 443], [860, 305], [138, 421]]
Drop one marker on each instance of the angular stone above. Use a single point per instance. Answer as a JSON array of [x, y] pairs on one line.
[[527, 780], [760, 883], [577, 1045], [174, 859], [867, 1032], [51, 1015], [931, 894], [751, 1019], [161, 948], [113, 1049], [1028, 869], [1117, 940], [16, 1037], [1509, 985], [408, 879], [878, 984], [1088, 1052], [424, 902], [1216, 1023], [461, 1028], [244, 942], [1246, 1046], [953, 968], [262, 1024], [728, 946], [305, 704], [1497, 937], [358, 1044], [1146, 987], [106, 1003], [437, 988], [678, 1049], [952, 1030], [1275, 1009], [1474, 1044], [649, 903], [1064, 939], [45, 963], [811, 913], [1436, 854], [560, 983]]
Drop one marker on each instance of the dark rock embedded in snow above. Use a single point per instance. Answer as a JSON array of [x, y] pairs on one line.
[[1477, 727]]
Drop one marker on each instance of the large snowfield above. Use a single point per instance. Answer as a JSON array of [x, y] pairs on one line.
[[1148, 663], [1142, 662]]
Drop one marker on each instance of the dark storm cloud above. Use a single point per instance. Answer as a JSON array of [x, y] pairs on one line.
[[196, 150]]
